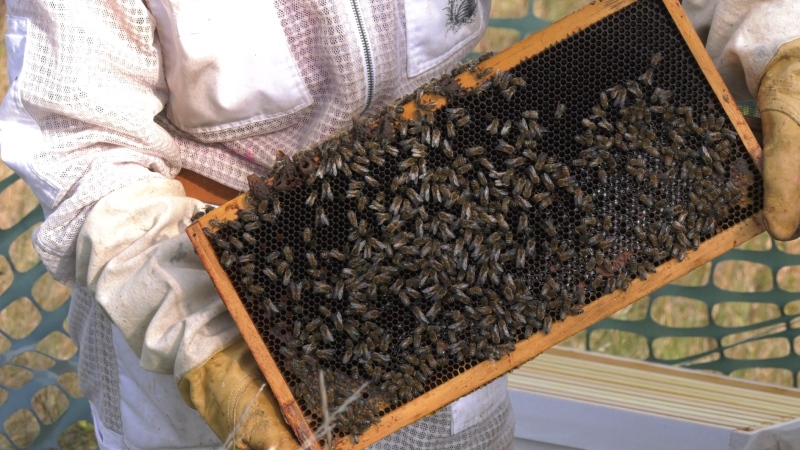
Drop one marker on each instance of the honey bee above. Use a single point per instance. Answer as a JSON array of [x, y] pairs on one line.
[[236, 243], [647, 77], [296, 291], [602, 176], [493, 126], [561, 109], [547, 325], [548, 182], [548, 227], [656, 59]]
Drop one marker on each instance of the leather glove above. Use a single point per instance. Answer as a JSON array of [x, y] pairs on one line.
[[779, 102], [225, 391]]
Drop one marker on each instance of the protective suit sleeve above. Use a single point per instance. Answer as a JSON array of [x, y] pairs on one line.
[[139, 265], [742, 36], [78, 126], [86, 81]]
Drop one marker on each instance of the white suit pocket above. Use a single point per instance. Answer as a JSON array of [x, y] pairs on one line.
[[437, 29], [228, 65], [16, 38]]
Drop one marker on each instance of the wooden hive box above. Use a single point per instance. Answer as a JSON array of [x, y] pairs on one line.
[[638, 169], [626, 404]]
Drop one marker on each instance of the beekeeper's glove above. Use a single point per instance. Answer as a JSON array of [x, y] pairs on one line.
[[134, 256], [227, 392], [779, 102]]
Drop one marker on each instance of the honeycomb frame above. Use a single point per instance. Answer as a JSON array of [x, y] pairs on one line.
[[484, 372]]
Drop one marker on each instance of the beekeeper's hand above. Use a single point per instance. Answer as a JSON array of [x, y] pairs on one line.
[[134, 256], [779, 102], [227, 392]]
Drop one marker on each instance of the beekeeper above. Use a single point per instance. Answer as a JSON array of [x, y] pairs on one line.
[[110, 100]]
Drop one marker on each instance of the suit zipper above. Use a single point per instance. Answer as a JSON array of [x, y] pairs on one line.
[[366, 51]]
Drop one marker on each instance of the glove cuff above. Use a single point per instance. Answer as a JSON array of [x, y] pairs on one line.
[[215, 387], [227, 392], [236, 353]]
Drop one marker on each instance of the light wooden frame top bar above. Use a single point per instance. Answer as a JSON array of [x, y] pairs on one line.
[[657, 389]]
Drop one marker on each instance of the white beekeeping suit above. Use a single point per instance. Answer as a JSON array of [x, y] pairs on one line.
[[742, 36], [109, 100]]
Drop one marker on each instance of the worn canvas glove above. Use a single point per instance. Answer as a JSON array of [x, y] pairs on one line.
[[779, 102], [227, 392]]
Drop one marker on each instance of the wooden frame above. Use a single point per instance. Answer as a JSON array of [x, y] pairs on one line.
[[489, 370]]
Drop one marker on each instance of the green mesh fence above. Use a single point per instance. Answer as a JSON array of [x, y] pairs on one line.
[[40, 404]]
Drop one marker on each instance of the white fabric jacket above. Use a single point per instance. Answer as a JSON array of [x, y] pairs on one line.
[[116, 96], [742, 36]]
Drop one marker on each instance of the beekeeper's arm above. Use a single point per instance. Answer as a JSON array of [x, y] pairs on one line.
[[754, 44], [77, 125]]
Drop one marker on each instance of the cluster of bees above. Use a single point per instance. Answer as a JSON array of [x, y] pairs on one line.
[[678, 170], [402, 252]]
